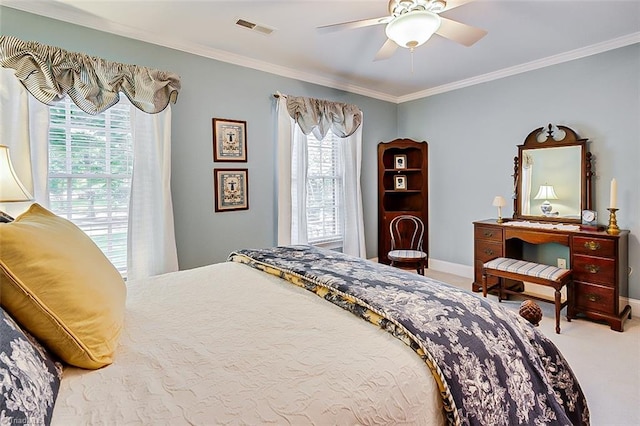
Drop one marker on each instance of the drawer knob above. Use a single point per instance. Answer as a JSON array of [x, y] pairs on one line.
[[593, 269], [488, 252], [592, 297], [592, 245], [488, 234]]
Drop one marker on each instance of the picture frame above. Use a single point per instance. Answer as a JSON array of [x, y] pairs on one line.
[[400, 182], [229, 140], [231, 189], [400, 161]]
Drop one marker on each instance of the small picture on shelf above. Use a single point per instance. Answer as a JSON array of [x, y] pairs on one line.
[[400, 182], [400, 161]]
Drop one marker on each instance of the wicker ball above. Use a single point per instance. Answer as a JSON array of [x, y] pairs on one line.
[[530, 311]]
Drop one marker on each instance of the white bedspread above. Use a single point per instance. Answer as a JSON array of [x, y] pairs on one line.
[[227, 344]]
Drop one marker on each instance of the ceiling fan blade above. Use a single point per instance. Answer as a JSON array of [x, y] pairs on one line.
[[353, 24], [459, 32], [451, 4], [386, 51]]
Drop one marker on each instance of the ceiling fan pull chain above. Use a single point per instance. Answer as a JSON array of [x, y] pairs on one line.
[[411, 50]]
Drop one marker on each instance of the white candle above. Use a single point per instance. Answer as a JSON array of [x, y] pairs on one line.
[[613, 201]]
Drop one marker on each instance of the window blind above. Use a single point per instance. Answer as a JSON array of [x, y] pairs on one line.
[[90, 167], [324, 190]]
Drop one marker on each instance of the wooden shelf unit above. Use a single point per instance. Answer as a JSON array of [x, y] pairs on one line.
[[393, 202]]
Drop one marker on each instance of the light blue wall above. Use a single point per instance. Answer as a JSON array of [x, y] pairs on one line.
[[210, 89], [473, 133]]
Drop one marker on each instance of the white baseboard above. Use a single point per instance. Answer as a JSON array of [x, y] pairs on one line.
[[448, 267], [467, 272], [635, 307], [451, 268]]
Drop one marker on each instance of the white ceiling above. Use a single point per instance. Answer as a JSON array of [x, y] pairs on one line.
[[522, 35]]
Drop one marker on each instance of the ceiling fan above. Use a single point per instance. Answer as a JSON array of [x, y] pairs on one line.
[[412, 22]]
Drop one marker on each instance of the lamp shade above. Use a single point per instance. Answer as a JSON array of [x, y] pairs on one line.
[[11, 189], [413, 28], [546, 192], [499, 201]]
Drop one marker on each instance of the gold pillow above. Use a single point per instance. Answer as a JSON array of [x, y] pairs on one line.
[[59, 285]]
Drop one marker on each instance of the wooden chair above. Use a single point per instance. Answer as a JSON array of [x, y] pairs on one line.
[[407, 234]]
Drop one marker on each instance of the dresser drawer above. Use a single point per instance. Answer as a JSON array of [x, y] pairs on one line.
[[492, 233], [594, 269], [594, 246], [593, 297]]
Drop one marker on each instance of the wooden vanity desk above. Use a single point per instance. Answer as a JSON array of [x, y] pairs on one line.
[[599, 262]]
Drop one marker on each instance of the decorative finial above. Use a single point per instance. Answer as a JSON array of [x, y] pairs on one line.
[[550, 132]]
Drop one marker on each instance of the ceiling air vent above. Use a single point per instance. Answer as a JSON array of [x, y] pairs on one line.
[[254, 27]]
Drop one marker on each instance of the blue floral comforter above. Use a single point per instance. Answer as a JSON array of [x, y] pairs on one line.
[[492, 367]]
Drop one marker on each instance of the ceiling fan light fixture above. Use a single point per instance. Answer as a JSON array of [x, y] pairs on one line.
[[412, 29]]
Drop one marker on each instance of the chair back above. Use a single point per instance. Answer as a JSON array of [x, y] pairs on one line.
[[407, 232]]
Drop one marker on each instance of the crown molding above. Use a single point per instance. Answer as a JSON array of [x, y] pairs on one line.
[[41, 8], [529, 66]]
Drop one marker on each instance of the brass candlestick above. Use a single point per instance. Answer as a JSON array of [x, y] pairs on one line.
[[613, 223]]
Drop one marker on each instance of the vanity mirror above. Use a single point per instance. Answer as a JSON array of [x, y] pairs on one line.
[[552, 176]]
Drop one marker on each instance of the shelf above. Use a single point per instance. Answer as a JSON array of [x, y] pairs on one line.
[[394, 171]]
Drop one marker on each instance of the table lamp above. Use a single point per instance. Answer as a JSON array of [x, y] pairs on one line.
[[546, 193], [11, 189], [499, 202]]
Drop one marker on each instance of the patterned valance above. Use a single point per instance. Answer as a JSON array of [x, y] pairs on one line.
[[50, 73], [318, 116]]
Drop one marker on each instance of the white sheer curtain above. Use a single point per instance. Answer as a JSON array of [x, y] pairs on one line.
[[151, 248], [525, 190], [299, 169], [285, 128], [318, 117], [24, 128], [354, 243]]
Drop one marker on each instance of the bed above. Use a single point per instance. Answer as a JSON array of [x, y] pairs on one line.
[[300, 335]]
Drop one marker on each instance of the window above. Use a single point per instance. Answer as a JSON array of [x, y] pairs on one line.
[[90, 166], [324, 191]]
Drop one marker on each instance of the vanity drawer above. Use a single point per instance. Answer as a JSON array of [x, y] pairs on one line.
[[492, 233], [488, 250], [594, 246], [594, 269], [593, 297]]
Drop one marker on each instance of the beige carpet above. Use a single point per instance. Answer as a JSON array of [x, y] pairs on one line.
[[606, 362]]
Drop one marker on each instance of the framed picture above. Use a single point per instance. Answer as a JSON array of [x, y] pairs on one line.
[[229, 140], [400, 182], [400, 161], [231, 189]]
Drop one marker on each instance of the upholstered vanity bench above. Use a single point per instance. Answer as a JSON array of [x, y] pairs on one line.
[[537, 273]]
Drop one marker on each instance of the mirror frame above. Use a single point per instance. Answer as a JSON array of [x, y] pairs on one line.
[[586, 173]]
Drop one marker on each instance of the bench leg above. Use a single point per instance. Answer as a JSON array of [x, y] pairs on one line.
[[500, 288], [570, 314], [484, 283], [558, 303]]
